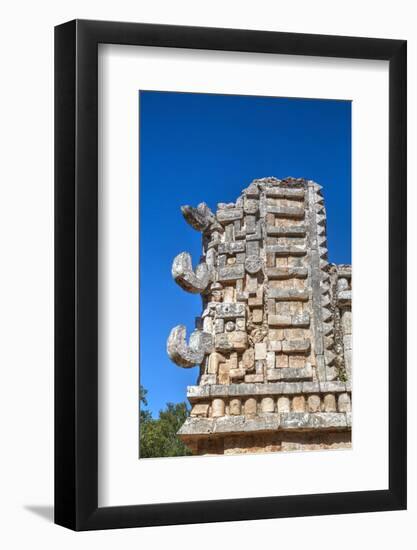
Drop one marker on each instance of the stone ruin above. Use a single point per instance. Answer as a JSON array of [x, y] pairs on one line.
[[273, 342]]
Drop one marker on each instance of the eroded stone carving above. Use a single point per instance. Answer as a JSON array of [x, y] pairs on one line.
[[183, 274], [188, 355], [273, 342]]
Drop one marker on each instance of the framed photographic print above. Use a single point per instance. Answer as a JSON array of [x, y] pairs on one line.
[[230, 275]]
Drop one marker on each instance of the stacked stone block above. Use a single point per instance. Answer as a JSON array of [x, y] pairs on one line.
[[275, 326]]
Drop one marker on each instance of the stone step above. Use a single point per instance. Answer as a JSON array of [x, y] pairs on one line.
[[282, 273], [286, 231]]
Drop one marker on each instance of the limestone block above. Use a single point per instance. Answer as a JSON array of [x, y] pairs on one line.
[[283, 273], [237, 374], [238, 340], [231, 273], [270, 359], [235, 406], [281, 362], [299, 421], [260, 350], [230, 310], [329, 403], [346, 321], [343, 403], [298, 403], [240, 323], [267, 405], [207, 379], [213, 364], [295, 362], [347, 341], [288, 295], [223, 374], [187, 355], [248, 359], [257, 315], [229, 215], [305, 373], [250, 406], [286, 212], [254, 378], [313, 403], [217, 408], [200, 409], [232, 247], [291, 193], [279, 320], [274, 345], [295, 346], [283, 404], [280, 250]]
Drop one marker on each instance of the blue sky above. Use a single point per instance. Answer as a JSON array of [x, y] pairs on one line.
[[205, 147]]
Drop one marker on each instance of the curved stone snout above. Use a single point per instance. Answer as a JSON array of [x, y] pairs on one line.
[[183, 274], [199, 218], [183, 355]]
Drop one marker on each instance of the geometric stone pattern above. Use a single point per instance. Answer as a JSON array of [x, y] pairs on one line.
[[274, 340]]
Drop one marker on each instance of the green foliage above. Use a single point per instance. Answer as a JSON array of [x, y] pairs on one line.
[[158, 437]]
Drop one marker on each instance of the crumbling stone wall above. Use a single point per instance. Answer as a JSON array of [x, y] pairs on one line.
[[274, 338]]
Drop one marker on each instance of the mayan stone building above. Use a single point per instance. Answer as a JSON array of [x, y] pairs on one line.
[[273, 343]]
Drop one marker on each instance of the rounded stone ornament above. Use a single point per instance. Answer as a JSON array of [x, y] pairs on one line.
[[253, 264]]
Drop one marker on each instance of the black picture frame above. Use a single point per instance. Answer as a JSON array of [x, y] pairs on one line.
[[76, 272]]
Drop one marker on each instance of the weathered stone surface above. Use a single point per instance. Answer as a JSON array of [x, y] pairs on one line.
[[182, 272], [232, 247], [250, 406], [295, 346], [231, 273], [288, 373], [199, 218], [184, 355], [283, 273], [283, 405], [313, 403], [274, 340], [343, 403], [229, 215], [235, 406], [301, 421], [286, 212], [298, 403], [286, 230], [285, 193], [253, 264], [288, 295], [267, 405], [329, 403], [200, 409], [230, 310], [286, 250], [260, 350]]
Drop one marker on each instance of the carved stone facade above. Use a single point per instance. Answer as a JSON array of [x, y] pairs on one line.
[[274, 339]]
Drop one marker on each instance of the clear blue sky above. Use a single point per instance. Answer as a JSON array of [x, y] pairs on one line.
[[204, 147]]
